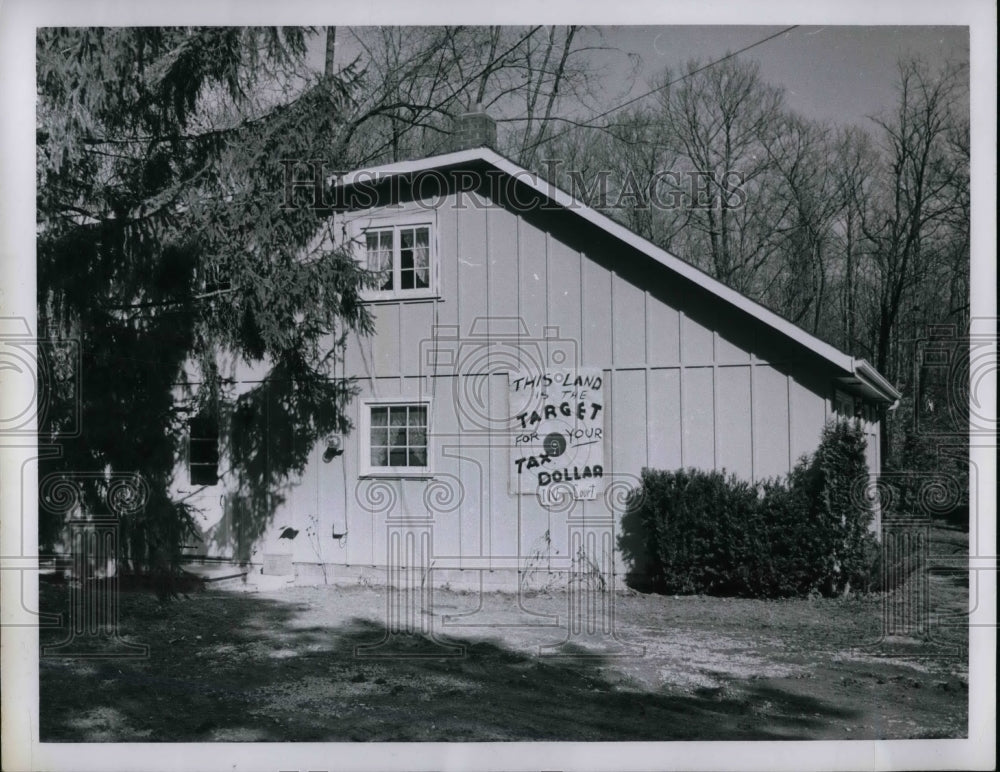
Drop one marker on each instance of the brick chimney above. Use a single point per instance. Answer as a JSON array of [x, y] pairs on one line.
[[472, 129]]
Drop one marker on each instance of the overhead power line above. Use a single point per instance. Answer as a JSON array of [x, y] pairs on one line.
[[635, 99]]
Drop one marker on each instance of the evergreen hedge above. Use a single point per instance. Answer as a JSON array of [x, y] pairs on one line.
[[695, 531]]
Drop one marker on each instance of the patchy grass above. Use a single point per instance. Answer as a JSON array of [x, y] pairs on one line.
[[284, 667]]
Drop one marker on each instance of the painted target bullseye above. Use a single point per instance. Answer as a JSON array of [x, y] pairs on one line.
[[554, 444]]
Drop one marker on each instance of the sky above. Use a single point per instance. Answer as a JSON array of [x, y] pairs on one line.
[[832, 74]]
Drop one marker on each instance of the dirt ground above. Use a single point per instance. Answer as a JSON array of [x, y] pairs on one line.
[[318, 664]]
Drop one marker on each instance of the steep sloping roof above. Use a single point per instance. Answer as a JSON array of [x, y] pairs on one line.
[[857, 373]]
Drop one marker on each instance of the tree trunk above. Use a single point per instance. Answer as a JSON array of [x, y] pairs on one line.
[[331, 51], [849, 321]]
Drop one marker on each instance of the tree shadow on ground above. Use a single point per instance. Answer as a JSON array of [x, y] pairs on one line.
[[240, 667]]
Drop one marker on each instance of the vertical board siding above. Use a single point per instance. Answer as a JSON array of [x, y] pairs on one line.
[[503, 272], [808, 414], [628, 417], [696, 342], [386, 341], [477, 507], [770, 431], [444, 496], [597, 508], [456, 531], [531, 300], [629, 323], [472, 272], [530, 519], [726, 352], [502, 513], [733, 436], [662, 333], [871, 447], [533, 520], [357, 352], [563, 298], [664, 418], [595, 287], [698, 419], [415, 337], [448, 246]]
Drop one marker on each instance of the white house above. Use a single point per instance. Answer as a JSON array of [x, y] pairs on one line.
[[531, 356]]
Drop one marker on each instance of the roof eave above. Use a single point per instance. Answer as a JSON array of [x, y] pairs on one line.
[[877, 383], [868, 376]]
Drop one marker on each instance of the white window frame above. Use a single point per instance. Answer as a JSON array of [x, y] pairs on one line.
[[364, 423], [397, 223]]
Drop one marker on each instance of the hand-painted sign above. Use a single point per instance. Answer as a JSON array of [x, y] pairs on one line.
[[558, 433]]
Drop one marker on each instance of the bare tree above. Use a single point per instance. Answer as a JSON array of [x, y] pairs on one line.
[[919, 197], [544, 82], [854, 162], [912, 212], [719, 119], [804, 206], [417, 80]]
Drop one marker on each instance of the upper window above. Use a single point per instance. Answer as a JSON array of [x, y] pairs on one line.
[[394, 438], [401, 255]]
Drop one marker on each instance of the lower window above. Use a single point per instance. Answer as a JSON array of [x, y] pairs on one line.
[[395, 438], [203, 450]]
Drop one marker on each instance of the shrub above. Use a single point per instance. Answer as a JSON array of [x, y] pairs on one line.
[[697, 522], [788, 540], [837, 527], [708, 532]]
